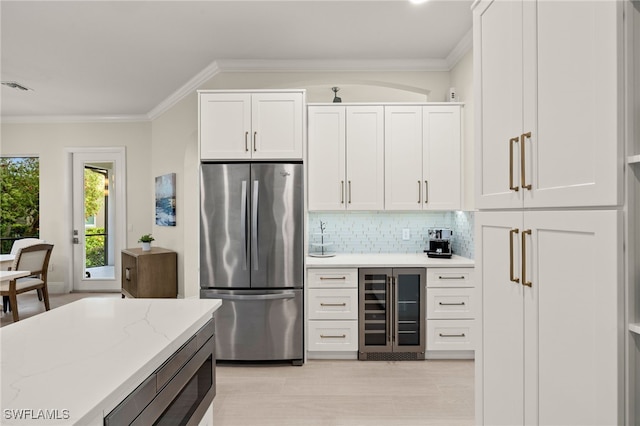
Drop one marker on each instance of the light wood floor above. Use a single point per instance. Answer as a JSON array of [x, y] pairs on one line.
[[327, 393]]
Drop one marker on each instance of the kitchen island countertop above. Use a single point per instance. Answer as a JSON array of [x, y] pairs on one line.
[[372, 260], [75, 363]]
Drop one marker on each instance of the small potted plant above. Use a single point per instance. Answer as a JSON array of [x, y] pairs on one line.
[[146, 242]]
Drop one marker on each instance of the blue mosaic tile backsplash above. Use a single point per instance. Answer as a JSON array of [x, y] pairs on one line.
[[381, 232]]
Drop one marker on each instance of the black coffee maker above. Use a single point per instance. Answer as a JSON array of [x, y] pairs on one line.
[[440, 243]]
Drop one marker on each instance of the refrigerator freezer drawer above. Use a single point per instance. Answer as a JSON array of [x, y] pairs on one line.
[[258, 325]]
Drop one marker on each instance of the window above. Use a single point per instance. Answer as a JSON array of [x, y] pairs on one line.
[[19, 200]]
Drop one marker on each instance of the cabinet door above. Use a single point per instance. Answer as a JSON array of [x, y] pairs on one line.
[[365, 158], [403, 181], [441, 158], [573, 312], [277, 126], [572, 158], [498, 75], [499, 358], [225, 126], [326, 162]]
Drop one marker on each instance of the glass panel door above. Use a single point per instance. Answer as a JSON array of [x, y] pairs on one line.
[[409, 309], [375, 309]]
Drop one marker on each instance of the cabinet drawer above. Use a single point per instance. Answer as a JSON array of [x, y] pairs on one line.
[[333, 303], [450, 335], [450, 277], [333, 278], [333, 336], [451, 303]]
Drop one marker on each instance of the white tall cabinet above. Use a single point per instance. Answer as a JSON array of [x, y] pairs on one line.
[[549, 146]]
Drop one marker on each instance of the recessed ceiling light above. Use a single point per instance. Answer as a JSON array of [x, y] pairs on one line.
[[418, 1], [15, 85]]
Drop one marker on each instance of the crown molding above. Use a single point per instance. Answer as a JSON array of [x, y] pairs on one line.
[[45, 119], [461, 49], [338, 65], [198, 80]]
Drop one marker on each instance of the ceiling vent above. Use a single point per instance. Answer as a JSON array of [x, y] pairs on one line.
[[15, 85]]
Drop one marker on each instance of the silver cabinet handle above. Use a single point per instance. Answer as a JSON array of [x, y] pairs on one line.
[[342, 336], [419, 192], [255, 136], [246, 141], [349, 192], [451, 304], [341, 192], [426, 191], [333, 278], [333, 304], [250, 297], [441, 277], [452, 335]]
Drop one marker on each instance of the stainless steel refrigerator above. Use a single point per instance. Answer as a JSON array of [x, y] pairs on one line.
[[251, 257]]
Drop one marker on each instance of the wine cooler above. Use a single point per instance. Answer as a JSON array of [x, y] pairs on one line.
[[392, 314]]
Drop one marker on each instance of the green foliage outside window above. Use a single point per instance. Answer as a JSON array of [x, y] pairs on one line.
[[19, 199], [95, 246]]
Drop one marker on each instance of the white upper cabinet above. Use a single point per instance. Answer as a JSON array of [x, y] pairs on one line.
[[346, 158], [244, 126], [422, 157], [326, 164], [550, 98]]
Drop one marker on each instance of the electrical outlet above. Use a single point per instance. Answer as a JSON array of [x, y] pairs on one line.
[[405, 234]]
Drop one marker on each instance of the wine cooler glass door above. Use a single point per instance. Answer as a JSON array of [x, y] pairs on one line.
[[409, 294], [375, 302]]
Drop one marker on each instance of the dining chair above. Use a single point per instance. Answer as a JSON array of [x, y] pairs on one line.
[[35, 259], [24, 242]]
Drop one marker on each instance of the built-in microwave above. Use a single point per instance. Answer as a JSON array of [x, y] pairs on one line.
[[179, 392]]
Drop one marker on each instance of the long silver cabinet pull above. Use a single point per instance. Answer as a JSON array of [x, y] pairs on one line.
[[522, 162], [342, 336], [333, 278], [333, 304], [419, 192], [452, 304], [511, 185], [441, 277], [349, 192], [452, 335], [341, 192], [243, 222], [254, 225], [255, 136], [246, 141], [426, 191], [512, 276], [524, 258]]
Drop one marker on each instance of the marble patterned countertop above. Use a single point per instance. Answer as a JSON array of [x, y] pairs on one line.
[[75, 363], [369, 260]]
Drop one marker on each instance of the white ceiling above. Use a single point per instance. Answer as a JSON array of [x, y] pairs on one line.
[[129, 58]]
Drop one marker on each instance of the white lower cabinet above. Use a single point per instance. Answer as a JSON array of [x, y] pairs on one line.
[[551, 349], [332, 313], [451, 312]]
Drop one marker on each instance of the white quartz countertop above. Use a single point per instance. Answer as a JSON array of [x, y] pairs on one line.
[[77, 362], [367, 260]]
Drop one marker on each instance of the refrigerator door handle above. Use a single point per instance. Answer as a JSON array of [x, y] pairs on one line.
[[254, 225], [254, 296], [243, 222]]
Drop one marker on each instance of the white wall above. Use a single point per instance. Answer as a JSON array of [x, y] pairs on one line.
[[48, 142], [462, 80]]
